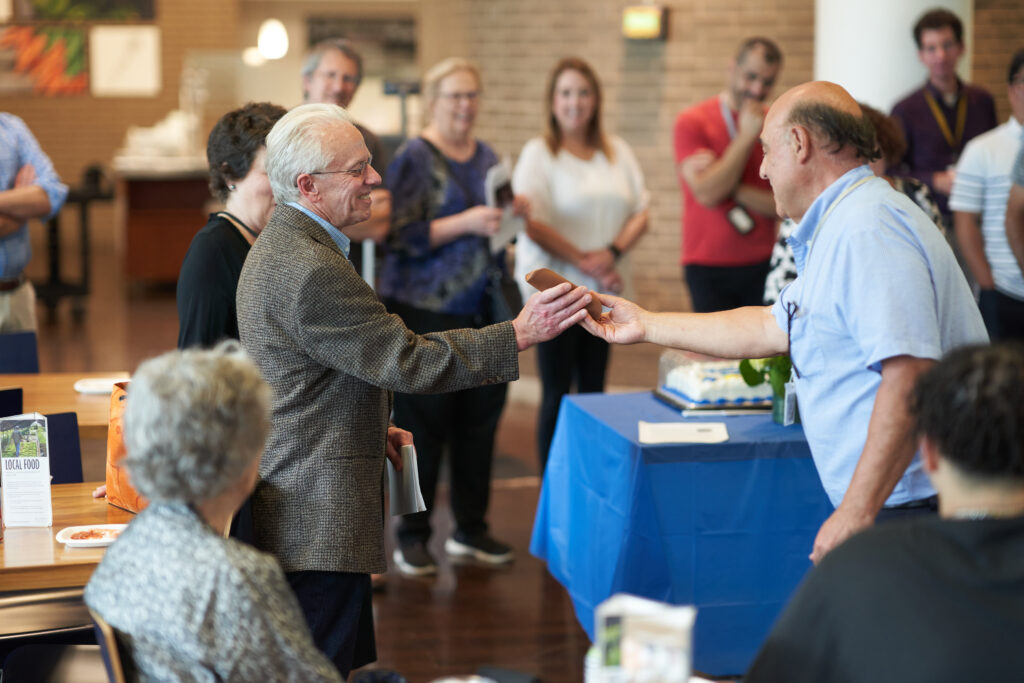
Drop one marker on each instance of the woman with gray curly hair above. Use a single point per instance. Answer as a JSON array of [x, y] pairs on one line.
[[188, 603]]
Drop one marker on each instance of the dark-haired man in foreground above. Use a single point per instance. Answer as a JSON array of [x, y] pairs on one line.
[[878, 299], [933, 599]]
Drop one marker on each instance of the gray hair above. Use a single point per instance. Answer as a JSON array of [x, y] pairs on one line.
[[838, 129], [317, 52], [193, 422], [442, 70], [295, 146]]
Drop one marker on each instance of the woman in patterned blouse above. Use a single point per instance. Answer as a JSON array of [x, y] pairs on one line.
[[435, 277], [187, 603]]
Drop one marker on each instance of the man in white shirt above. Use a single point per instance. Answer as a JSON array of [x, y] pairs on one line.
[[979, 201]]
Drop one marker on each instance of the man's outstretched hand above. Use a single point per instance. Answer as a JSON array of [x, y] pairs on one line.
[[623, 324], [548, 313]]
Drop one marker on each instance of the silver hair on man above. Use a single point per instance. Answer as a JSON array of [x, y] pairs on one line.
[[194, 421], [295, 146], [316, 54]]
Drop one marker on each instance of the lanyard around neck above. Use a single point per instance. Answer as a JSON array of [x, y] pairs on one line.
[[791, 307], [828, 212], [940, 118], [730, 124]]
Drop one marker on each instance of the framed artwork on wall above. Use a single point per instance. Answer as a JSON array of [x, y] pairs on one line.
[[43, 60], [125, 61], [84, 10]]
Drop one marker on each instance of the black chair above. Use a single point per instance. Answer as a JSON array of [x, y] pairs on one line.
[[38, 663], [65, 448], [113, 660], [19, 352], [10, 402]]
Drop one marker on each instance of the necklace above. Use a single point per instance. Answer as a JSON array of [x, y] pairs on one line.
[[238, 223]]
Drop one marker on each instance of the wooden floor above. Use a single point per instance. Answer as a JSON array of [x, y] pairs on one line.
[[516, 617]]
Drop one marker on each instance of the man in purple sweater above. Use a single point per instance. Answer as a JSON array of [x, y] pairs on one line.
[[939, 118]]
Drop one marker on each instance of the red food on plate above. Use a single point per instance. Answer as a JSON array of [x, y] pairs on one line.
[[94, 534]]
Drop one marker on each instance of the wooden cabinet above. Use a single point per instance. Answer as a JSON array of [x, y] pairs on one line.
[[159, 214]]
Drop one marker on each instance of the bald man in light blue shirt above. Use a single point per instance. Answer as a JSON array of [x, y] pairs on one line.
[[879, 298]]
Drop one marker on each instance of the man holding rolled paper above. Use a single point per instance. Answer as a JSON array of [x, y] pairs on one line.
[[878, 298], [333, 356]]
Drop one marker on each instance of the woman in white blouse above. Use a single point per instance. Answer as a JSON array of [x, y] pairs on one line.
[[588, 208]]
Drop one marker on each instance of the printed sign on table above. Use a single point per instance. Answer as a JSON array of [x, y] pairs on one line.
[[25, 471]]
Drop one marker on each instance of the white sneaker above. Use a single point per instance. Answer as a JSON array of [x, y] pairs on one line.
[[415, 560], [483, 549]]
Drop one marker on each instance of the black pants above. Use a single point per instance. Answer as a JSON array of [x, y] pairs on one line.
[[462, 422], [925, 506], [573, 357], [1003, 315], [339, 610], [721, 288]]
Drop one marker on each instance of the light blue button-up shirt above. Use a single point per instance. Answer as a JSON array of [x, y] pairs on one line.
[[340, 238], [879, 281], [17, 148]]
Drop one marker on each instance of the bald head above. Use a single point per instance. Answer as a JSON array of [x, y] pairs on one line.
[[821, 92], [833, 118], [813, 134]]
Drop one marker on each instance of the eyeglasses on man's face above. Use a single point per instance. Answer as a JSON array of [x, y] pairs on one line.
[[356, 172]]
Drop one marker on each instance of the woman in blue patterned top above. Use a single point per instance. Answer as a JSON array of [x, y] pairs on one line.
[[435, 276]]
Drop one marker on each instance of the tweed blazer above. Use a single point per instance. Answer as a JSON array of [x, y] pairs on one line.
[[332, 355]]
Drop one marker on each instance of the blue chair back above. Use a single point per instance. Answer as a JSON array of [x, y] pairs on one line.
[[107, 639], [19, 352], [65, 448], [10, 402]]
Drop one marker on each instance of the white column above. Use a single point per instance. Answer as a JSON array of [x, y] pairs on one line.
[[868, 46]]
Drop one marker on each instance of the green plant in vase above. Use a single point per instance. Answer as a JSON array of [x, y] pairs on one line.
[[775, 371]]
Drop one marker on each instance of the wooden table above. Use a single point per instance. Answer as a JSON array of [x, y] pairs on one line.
[[54, 392], [32, 559]]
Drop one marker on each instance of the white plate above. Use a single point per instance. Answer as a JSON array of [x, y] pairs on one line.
[[97, 385], [64, 535]]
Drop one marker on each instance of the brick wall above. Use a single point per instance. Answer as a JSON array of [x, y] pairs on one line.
[[516, 42], [998, 34], [77, 131], [646, 84]]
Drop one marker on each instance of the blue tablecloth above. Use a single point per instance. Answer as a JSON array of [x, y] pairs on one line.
[[727, 527]]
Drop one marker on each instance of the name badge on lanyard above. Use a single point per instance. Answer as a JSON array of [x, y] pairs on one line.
[[792, 308], [730, 124]]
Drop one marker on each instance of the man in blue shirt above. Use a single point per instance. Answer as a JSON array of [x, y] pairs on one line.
[[29, 188], [878, 299]]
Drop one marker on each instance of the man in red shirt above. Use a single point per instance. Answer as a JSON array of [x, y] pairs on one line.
[[729, 223]]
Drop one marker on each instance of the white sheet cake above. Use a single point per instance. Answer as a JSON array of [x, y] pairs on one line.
[[710, 383]]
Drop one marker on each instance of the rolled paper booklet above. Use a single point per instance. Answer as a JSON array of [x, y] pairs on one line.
[[545, 278], [404, 487]]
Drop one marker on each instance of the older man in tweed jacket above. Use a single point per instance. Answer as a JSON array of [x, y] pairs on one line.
[[333, 355]]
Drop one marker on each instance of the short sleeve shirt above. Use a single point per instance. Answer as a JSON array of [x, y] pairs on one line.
[[708, 237], [878, 281], [1017, 174], [982, 186]]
